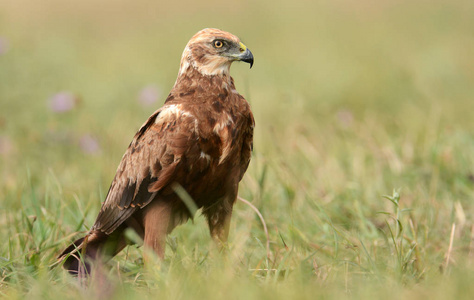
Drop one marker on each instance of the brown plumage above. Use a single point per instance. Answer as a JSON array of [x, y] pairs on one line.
[[200, 140]]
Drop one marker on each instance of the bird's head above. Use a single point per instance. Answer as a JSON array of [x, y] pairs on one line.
[[212, 51]]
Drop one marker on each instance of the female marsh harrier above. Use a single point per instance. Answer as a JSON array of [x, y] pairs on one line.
[[200, 141]]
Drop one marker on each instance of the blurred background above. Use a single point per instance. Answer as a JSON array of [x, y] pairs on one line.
[[83, 75], [78, 78], [351, 98]]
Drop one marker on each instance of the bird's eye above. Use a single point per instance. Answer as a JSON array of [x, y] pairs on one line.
[[218, 44]]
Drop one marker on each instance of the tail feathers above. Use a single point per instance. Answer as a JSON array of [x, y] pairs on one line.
[[79, 256]]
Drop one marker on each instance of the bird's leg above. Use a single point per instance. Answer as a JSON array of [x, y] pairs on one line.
[[219, 224], [156, 222]]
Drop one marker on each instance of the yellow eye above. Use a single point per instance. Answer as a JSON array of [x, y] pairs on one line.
[[218, 44]]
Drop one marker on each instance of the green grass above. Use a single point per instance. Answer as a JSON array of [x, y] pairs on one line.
[[363, 166]]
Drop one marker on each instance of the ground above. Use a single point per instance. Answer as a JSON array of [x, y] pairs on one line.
[[353, 101]]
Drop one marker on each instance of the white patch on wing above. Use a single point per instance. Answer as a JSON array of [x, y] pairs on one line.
[[168, 111]]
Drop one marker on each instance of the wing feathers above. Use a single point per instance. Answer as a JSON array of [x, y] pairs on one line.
[[127, 195], [143, 196], [148, 165], [166, 176]]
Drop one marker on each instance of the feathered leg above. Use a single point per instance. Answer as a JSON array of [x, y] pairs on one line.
[[157, 224], [218, 219]]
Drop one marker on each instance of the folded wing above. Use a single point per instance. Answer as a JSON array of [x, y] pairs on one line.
[[149, 165]]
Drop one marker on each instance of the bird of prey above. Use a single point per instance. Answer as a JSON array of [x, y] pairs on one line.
[[199, 142]]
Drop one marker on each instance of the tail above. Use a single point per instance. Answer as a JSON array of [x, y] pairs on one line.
[[78, 257]]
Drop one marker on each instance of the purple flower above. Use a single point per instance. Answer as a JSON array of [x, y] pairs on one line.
[[149, 95], [89, 144], [3, 45], [63, 102]]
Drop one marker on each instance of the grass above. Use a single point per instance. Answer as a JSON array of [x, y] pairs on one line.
[[363, 161]]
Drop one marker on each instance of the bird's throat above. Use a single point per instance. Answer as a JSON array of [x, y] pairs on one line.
[[189, 76]]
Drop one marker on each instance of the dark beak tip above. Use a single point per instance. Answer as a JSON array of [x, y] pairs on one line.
[[247, 57]]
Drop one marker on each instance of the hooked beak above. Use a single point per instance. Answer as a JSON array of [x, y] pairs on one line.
[[245, 55]]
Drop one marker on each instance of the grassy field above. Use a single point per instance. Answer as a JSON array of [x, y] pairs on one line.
[[363, 166]]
